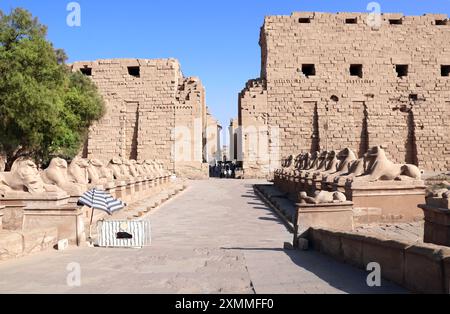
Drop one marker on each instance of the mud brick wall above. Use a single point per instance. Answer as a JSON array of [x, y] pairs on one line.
[[146, 101], [318, 103]]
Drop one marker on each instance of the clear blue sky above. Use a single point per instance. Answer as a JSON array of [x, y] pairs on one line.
[[215, 40]]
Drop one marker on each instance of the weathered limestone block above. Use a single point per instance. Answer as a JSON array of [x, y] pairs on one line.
[[390, 255], [1, 216], [446, 266], [437, 219], [327, 241], [68, 220], [423, 269], [337, 216], [352, 249], [398, 200]]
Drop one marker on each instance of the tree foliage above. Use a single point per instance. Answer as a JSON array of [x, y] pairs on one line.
[[45, 108]]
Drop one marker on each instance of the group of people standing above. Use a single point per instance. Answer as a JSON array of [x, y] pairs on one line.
[[225, 170]]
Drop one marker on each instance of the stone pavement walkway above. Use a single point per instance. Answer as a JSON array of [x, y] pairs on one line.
[[216, 237]]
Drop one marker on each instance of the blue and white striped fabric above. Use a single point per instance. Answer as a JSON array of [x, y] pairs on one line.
[[101, 200]]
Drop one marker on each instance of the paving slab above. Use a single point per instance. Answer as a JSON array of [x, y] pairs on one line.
[[216, 237]]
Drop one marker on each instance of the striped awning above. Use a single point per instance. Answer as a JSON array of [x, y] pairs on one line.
[[98, 199]]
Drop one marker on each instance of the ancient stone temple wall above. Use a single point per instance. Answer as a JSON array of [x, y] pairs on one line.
[[190, 126], [332, 81], [213, 133], [254, 128], [153, 112]]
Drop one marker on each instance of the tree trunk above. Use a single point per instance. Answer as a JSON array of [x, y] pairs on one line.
[[10, 159]]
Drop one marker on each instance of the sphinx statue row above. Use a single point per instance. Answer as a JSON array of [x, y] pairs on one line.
[[307, 175], [78, 176]]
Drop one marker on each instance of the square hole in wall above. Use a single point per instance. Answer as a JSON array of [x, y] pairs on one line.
[[356, 70], [351, 21], [86, 71], [413, 97], [402, 70], [445, 70], [308, 69], [304, 20], [441, 22], [134, 71], [396, 21]]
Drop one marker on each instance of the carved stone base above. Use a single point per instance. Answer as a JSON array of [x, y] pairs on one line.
[[68, 219], [398, 200], [437, 221], [130, 191], [36, 200], [16, 202], [111, 189], [1, 216], [331, 215], [121, 188]]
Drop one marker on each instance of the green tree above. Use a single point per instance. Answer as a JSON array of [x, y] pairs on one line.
[[45, 108]]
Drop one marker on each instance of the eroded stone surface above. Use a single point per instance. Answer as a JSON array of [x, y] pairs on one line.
[[309, 96]]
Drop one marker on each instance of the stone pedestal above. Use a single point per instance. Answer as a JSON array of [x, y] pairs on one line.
[[139, 189], [16, 202], [73, 200], [145, 187], [297, 183], [36, 200], [67, 219], [1, 216], [330, 215], [437, 221], [130, 191], [110, 188], [121, 187], [398, 200], [283, 183]]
